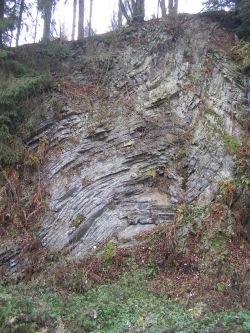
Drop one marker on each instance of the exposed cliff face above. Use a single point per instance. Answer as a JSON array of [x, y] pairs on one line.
[[137, 126]]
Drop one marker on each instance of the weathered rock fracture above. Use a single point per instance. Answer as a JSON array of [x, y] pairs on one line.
[[136, 128]]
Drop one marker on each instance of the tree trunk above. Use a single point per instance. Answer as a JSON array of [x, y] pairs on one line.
[[124, 11], [36, 24], [19, 22], [176, 7], [133, 10], [129, 7], [1, 18], [163, 8], [74, 20], [81, 20], [171, 7], [138, 7], [141, 8], [47, 20], [90, 18], [119, 15]]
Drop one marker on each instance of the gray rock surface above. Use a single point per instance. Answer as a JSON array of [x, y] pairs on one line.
[[140, 131]]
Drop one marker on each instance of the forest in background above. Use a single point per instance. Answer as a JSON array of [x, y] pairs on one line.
[[22, 18]]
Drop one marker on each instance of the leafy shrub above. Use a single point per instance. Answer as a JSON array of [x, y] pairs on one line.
[[18, 69], [244, 180], [23, 88], [242, 54], [4, 54], [57, 49]]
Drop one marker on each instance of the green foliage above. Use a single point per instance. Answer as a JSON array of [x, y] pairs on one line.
[[246, 64], [244, 13], [4, 54], [57, 49], [126, 304], [23, 88], [188, 220], [219, 4], [109, 252], [10, 154], [8, 20], [187, 213], [240, 7], [7, 24], [221, 286], [231, 144], [17, 69], [242, 54], [22, 84], [244, 180], [217, 242], [243, 165], [13, 112]]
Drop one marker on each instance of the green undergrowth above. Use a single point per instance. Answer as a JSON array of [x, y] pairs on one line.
[[20, 86], [44, 57], [5, 54], [25, 76], [232, 145], [242, 55], [215, 124], [126, 305]]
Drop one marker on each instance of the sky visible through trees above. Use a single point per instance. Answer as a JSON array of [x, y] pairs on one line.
[[103, 10], [102, 14], [30, 21]]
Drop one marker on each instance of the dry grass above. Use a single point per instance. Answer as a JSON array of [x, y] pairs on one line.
[[212, 265]]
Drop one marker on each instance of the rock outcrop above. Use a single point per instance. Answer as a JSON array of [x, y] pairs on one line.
[[136, 127]]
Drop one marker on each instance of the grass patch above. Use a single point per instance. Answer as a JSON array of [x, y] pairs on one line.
[[127, 304]]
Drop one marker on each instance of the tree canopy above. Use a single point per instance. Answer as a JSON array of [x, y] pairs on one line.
[[244, 14], [15, 15], [241, 9]]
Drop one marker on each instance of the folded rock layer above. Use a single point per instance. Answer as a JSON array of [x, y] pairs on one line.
[[137, 127]]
